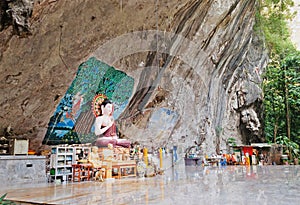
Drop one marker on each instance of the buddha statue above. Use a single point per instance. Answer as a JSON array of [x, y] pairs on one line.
[[105, 127]]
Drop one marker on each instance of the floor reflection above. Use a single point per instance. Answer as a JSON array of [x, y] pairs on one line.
[[178, 185]]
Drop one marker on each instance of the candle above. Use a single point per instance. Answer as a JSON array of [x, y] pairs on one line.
[[160, 158], [145, 151]]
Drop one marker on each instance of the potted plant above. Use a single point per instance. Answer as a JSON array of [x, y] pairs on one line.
[[3, 201]]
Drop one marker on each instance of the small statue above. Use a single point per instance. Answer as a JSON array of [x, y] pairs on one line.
[[94, 159], [247, 159], [108, 155]]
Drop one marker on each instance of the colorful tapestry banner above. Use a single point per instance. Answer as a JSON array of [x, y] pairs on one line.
[[73, 120]]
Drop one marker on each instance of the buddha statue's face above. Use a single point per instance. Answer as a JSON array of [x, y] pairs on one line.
[[107, 109]]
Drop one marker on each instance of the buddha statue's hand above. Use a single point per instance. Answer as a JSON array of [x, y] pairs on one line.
[[111, 122]]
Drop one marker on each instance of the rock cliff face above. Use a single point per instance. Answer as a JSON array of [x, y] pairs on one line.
[[196, 66]]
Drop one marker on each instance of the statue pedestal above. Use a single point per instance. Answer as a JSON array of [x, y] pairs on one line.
[[125, 168], [108, 165]]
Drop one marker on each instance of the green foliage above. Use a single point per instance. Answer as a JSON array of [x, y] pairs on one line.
[[273, 100], [88, 77], [289, 145], [3, 201], [291, 65], [271, 22], [281, 83], [86, 138], [112, 85], [231, 141]]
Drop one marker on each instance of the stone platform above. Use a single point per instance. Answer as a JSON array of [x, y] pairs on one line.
[[17, 169]]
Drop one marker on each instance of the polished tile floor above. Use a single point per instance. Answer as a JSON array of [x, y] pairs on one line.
[[178, 185]]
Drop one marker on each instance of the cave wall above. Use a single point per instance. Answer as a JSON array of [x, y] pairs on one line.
[[196, 66]]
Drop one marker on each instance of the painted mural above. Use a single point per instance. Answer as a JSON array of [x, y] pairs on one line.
[[73, 120]]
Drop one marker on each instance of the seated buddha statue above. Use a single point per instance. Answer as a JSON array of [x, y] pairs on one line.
[[105, 127]]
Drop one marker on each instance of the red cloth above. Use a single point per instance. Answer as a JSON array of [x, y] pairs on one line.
[[248, 150], [103, 142], [111, 131]]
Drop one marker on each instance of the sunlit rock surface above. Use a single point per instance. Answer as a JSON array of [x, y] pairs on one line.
[[295, 24], [196, 67]]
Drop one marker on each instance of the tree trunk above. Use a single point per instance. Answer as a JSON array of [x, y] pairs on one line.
[[287, 111], [84, 122], [275, 129]]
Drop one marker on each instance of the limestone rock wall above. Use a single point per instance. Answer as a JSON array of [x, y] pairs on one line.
[[196, 65]]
